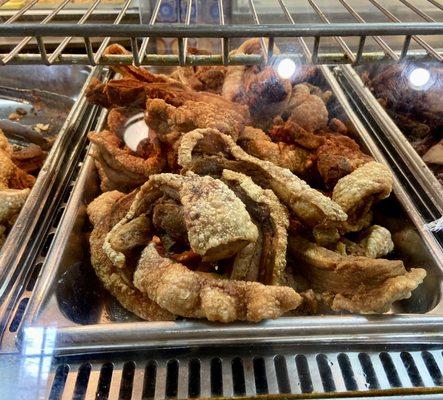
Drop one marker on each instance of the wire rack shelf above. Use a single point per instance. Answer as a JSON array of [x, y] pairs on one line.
[[32, 34]]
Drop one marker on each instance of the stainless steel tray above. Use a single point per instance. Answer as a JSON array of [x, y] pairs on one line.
[[401, 145], [62, 89], [70, 312]]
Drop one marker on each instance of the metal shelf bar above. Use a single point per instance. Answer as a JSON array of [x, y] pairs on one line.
[[183, 31], [145, 41], [106, 41], [388, 51], [27, 39], [66, 40], [339, 40], [19, 13], [419, 40], [436, 4], [303, 44], [417, 11]]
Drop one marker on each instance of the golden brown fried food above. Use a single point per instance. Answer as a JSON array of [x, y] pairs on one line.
[[104, 212], [256, 143], [358, 191], [337, 157], [271, 218], [29, 159], [168, 215], [308, 110], [119, 167], [217, 222], [359, 284], [201, 78], [375, 242], [310, 206], [201, 295], [170, 122], [292, 133]]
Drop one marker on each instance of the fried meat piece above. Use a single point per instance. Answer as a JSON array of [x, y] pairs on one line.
[[358, 191], [337, 157], [168, 215], [261, 89], [272, 220], [292, 133], [201, 295], [29, 159], [134, 93], [170, 122], [104, 212], [130, 71], [359, 284], [210, 151], [119, 167], [307, 110], [256, 143], [376, 242], [217, 222], [206, 78]]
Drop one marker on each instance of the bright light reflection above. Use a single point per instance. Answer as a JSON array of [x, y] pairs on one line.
[[286, 68], [419, 77], [136, 131]]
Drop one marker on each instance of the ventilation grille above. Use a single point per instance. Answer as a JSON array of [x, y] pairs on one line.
[[233, 375]]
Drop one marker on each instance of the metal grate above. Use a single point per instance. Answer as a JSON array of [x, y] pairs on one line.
[[248, 372], [402, 19]]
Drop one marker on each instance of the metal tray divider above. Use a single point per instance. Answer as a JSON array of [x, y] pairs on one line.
[[28, 30], [325, 329], [432, 187], [27, 234]]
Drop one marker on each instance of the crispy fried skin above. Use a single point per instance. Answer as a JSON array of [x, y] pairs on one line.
[[168, 215], [217, 222], [199, 295], [310, 206], [256, 143], [359, 284], [272, 220], [29, 159], [104, 212], [358, 191], [170, 122], [375, 242], [120, 167], [337, 157], [206, 78]]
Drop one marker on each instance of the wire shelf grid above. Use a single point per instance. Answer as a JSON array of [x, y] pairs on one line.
[[39, 37]]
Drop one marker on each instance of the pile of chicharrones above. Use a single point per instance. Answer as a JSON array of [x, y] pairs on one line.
[[247, 202]]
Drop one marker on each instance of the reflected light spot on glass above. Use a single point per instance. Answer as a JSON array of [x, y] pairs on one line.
[[286, 68], [419, 77]]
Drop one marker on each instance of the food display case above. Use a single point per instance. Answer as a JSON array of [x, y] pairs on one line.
[[238, 199]]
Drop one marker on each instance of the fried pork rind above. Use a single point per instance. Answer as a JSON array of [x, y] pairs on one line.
[[104, 212], [360, 190], [358, 284], [201, 295], [169, 121], [307, 110], [310, 206], [272, 220], [261, 89], [118, 166], [217, 222], [258, 144], [207, 78], [376, 242], [15, 186]]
